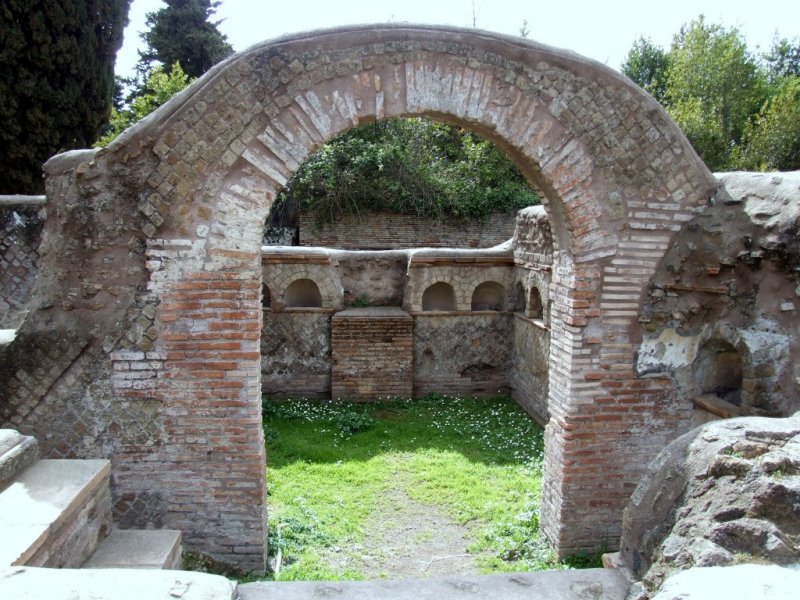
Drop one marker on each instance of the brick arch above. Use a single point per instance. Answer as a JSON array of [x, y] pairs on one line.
[[200, 176]]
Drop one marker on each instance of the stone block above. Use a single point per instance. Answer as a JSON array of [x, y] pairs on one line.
[[138, 549]]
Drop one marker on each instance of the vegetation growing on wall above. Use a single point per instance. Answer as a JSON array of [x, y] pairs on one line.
[[409, 166], [739, 110], [56, 81]]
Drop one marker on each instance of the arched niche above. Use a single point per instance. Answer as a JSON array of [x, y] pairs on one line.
[[718, 371], [439, 296], [535, 307], [303, 293], [489, 295]]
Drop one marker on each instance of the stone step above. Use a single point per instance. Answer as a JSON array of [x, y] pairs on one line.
[[17, 453], [138, 549], [597, 584], [28, 583], [55, 513]]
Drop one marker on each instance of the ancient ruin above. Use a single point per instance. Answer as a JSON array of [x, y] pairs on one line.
[[644, 297]]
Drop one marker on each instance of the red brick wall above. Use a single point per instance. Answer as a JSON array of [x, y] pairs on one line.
[[372, 353], [384, 231]]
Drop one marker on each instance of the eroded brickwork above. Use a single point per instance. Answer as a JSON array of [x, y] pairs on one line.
[[462, 353], [296, 354], [530, 367]]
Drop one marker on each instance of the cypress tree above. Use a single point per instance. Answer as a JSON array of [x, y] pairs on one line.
[[182, 33], [56, 81]]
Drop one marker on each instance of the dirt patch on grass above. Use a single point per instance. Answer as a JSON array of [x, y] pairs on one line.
[[408, 539]]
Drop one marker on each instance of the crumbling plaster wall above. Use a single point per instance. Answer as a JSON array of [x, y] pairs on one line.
[[733, 275]]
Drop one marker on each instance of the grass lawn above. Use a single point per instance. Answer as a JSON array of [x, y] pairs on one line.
[[333, 468]]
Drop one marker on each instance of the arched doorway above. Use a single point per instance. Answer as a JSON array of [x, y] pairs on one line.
[[195, 183]]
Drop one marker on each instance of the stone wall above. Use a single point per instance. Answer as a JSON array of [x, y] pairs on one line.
[[296, 353], [529, 370], [151, 263], [383, 231], [533, 258], [21, 222], [727, 297], [462, 353]]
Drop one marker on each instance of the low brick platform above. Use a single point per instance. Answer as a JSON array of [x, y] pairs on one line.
[[372, 351]]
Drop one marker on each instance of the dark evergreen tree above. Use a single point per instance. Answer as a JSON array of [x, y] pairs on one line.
[[182, 33], [56, 81]]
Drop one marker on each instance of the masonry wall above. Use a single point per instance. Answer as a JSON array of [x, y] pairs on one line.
[[20, 233], [464, 353], [528, 377], [381, 231], [372, 353], [732, 277], [296, 353]]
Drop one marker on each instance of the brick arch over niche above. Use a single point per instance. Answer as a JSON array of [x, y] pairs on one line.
[[166, 223]]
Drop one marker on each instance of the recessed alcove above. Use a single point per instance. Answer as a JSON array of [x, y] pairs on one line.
[[303, 293], [439, 296], [489, 295]]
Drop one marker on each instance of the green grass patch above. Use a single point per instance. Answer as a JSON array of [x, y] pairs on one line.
[[333, 465]]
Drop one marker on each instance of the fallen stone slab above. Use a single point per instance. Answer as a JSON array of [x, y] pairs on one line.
[[585, 584], [29, 583]]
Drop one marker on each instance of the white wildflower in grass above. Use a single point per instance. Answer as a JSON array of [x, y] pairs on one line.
[[478, 460]]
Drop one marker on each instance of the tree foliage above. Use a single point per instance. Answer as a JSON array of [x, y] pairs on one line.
[[715, 82], [783, 59], [56, 81], [159, 87], [773, 138], [646, 65], [182, 33], [738, 110], [410, 166]]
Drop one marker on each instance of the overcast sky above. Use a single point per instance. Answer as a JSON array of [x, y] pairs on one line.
[[600, 29]]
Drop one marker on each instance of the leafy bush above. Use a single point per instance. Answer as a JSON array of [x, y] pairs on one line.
[[409, 166]]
